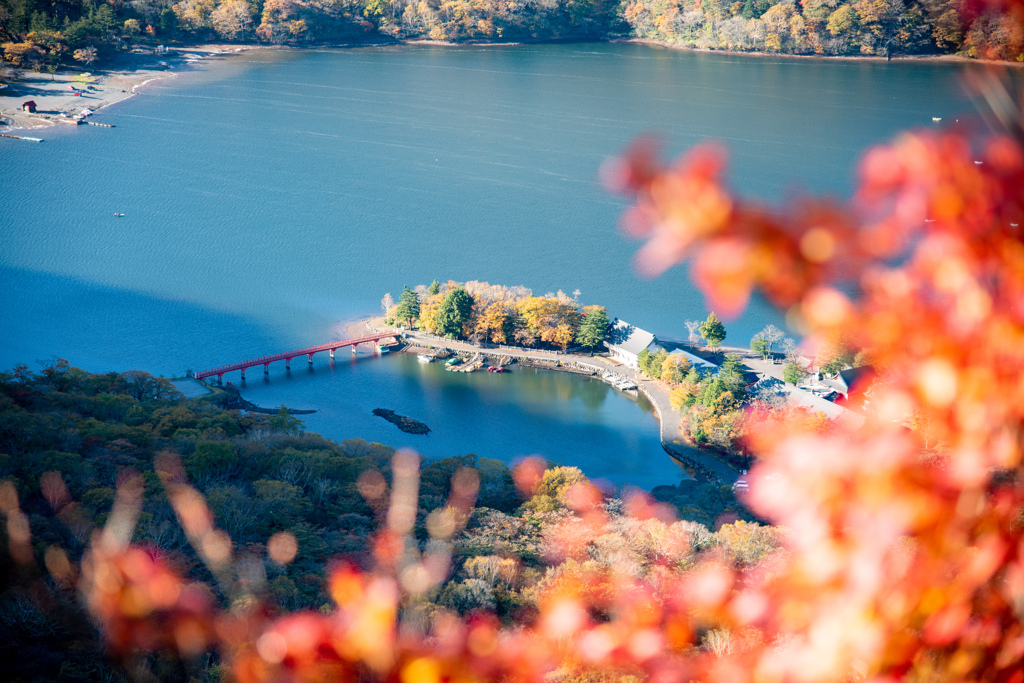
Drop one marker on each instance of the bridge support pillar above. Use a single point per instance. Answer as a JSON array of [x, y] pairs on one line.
[[243, 373], [354, 349], [332, 354], [266, 368], [309, 357], [287, 363], [220, 378]]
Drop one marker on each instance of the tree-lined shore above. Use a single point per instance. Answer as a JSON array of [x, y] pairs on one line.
[[41, 35]]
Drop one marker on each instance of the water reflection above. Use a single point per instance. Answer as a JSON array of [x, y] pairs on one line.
[[566, 418]]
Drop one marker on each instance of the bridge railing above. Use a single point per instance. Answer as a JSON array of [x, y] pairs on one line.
[[288, 355]]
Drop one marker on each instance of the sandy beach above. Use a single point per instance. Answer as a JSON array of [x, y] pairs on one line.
[[72, 91]]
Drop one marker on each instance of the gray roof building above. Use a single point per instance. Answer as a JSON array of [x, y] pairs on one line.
[[625, 342], [847, 379], [769, 386]]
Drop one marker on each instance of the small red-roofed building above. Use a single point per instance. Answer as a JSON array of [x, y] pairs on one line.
[[29, 106]]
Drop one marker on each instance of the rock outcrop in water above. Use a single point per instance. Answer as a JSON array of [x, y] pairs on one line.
[[406, 424]]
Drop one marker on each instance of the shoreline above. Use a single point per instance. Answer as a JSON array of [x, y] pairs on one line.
[[63, 95], [121, 78], [917, 59], [702, 464]]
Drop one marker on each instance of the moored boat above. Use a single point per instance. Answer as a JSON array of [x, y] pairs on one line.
[[424, 358], [620, 383]]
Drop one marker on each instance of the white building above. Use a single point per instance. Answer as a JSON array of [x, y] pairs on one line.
[[625, 342]]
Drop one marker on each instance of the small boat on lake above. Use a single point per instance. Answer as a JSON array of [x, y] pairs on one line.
[[424, 358], [118, 215]]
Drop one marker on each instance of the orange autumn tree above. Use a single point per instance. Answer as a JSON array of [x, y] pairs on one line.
[[905, 563], [899, 561]]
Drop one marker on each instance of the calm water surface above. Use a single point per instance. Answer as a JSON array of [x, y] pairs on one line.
[[278, 193]]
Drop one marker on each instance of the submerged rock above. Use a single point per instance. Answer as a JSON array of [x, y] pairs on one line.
[[406, 424]]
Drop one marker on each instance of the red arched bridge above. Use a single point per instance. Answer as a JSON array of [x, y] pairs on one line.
[[287, 356]]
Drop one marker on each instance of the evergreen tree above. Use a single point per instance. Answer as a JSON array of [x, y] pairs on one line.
[[650, 363], [168, 22], [434, 288], [792, 373], [593, 327], [454, 312], [408, 307], [712, 330], [643, 360], [731, 374]]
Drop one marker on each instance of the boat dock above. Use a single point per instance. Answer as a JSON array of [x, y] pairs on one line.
[[475, 363], [20, 137], [620, 383], [105, 125]]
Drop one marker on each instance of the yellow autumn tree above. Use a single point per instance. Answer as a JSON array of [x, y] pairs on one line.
[[428, 312], [496, 322]]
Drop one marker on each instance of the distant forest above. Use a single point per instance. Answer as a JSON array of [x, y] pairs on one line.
[[43, 33]]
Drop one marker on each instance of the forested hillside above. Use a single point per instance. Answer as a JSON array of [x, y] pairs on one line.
[[829, 27], [253, 514], [38, 32]]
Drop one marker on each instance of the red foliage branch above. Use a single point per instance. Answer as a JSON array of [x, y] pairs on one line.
[[901, 562]]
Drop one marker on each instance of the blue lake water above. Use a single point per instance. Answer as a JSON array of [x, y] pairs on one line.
[[272, 195]]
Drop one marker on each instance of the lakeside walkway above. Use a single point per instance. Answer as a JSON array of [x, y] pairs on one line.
[[705, 464]]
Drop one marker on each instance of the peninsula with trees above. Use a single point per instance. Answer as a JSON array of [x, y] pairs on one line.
[[497, 314], [707, 396]]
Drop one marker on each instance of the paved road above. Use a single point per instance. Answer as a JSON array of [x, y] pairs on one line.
[[764, 367], [706, 464]]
